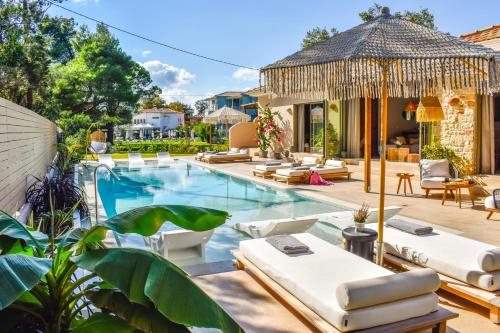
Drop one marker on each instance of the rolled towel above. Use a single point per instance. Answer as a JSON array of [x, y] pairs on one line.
[[489, 260], [272, 163], [409, 227], [301, 168], [335, 163], [287, 244], [221, 153], [385, 289]]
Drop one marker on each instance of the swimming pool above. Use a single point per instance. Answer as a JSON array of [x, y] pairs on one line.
[[183, 183]]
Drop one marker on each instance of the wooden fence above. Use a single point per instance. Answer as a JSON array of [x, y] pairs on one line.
[[27, 148]]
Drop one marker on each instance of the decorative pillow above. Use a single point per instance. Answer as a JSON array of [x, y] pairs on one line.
[[335, 163], [435, 168], [244, 151], [235, 150], [401, 139]]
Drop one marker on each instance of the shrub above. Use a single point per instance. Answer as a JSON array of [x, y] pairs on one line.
[[178, 147]]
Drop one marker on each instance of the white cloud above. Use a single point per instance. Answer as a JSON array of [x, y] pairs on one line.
[[145, 53], [246, 74], [168, 76], [182, 95]]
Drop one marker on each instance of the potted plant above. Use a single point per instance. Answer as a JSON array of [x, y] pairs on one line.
[[269, 133], [360, 215]]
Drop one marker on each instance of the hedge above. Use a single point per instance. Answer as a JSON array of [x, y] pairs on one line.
[[179, 147]]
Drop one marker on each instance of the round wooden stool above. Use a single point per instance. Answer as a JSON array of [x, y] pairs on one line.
[[404, 177]]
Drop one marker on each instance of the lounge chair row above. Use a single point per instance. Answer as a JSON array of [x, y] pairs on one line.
[[288, 173], [233, 155], [136, 160]]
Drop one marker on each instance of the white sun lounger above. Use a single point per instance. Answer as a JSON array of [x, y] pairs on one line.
[[468, 268], [181, 245], [164, 159], [323, 285], [265, 228], [135, 160], [344, 219], [106, 159]]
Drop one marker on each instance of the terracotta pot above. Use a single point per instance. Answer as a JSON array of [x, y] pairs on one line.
[[263, 153]]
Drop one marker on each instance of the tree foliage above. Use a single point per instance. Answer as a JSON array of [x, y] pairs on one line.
[[201, 106], [317, 35], [421, 17]]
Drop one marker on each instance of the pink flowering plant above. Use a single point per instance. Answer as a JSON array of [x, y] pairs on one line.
[[269, 131]]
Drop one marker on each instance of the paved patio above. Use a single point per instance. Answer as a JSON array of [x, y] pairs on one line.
[[468, 221]]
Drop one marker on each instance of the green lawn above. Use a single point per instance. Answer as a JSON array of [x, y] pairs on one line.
[[125, 155]]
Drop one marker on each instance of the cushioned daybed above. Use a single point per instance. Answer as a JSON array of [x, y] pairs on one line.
[[266, 170], [265, 228], [234, 155], [471, 267], [330, 170], [338, 291]]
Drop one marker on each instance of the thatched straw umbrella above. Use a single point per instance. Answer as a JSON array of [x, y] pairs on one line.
[[381, 58], [225, 115]]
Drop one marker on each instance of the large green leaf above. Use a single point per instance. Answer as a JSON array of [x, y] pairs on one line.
[[144, 277], [11, 229], [146, 221], [101, 322], [145, 318], [19, 273]]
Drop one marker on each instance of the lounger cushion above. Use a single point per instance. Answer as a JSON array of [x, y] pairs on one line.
[[235, 150], [329, 170], [311, 160], [446, 253], [432, 182], [314, 278], [489, 260], [225, 156], [335, 163], [258, 229], [263, 167], [291, 172], [435, 168], [489, 202], [390, 288]]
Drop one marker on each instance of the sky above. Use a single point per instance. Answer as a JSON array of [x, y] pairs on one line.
[[249, 33]]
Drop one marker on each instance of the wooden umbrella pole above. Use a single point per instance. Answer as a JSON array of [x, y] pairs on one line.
[[368, 142], [210, 125], [383, 138]]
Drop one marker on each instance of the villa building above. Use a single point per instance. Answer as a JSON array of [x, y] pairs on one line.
[[238, 100], [152, 123], [489, 37]]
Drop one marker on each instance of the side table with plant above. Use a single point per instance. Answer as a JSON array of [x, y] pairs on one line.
[[360, 215]]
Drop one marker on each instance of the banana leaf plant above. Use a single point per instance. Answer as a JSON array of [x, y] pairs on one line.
[[74, 283]]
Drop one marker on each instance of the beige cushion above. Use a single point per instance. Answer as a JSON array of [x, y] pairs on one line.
[[489, 202], [328, 170], [311, 160], [362, 293], [291, 172], [432, 183], [335, 163], [435, 168], [265, 228], [263, 167], [446, 253], [226, 156], [489, 260], [235, 150], [244, 150], [314, 278]]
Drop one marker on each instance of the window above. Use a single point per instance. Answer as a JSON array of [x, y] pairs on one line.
[[156, 117]]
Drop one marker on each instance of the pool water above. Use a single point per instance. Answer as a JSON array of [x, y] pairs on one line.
[[183, 183]]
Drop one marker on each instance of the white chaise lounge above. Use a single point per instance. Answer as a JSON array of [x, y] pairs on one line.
[[343, 219], [181, 246], [467, 267], [265, 228], [330, 170], [266, 170], [135, 160], [164, 159], [234, 155], [337, 291], [106, 159]]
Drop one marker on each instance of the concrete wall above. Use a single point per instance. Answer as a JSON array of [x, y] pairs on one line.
[[242, 135], [27, 148]]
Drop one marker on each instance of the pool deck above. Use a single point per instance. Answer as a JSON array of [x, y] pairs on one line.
[[467, 221]]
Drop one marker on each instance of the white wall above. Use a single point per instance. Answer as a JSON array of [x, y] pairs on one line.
[[27, 148], [161, 119]]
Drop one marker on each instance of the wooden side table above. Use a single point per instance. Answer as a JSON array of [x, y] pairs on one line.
[[457, 186], [404, 177]]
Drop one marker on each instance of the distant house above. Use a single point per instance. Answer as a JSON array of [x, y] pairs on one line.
[[152, 123], [489, 37], [239, 100]]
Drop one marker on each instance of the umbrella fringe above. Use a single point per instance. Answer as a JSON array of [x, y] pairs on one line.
[[360, 77]]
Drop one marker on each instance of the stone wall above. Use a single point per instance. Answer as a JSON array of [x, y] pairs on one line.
[[27, 148], [458, 127]]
